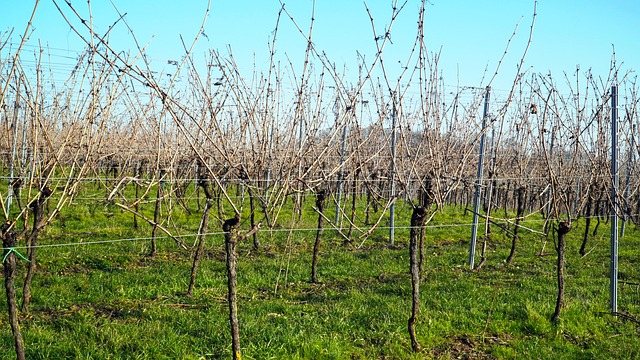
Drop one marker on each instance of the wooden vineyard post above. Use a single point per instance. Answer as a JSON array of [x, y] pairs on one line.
[[9, 266], [418, 219]]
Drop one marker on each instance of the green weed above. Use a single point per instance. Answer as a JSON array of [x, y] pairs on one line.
[[112, 301]]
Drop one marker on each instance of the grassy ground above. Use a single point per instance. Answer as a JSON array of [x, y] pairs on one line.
[[111, 301]]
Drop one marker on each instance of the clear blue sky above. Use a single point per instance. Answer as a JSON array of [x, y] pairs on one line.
[[470, 34]]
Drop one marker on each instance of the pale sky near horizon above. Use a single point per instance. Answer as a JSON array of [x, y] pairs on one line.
[[470, 36]]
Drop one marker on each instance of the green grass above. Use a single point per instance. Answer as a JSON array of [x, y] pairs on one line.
[[111, 301]]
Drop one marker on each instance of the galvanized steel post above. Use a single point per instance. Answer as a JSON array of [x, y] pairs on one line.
[[476, 199], [613, 272], [392, 171]]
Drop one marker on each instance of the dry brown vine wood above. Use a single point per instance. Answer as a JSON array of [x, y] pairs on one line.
[[418, 220]]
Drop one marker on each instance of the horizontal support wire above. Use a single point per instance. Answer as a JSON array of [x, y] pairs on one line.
[[281, 230]]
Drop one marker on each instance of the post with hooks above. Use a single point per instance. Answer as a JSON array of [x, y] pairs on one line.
[[614, 200], [476, 198]]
